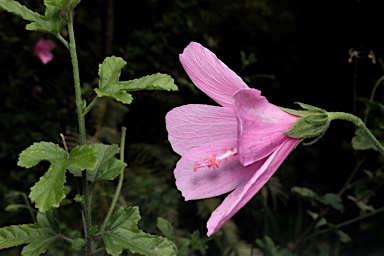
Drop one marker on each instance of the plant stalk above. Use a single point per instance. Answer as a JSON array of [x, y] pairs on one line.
[[82, 132], [119, 185]]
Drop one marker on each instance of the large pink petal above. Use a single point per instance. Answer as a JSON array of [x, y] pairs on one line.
[[261, 126], [196, 181], [242, 194], [192, 125], [251, 105], [211, 75]]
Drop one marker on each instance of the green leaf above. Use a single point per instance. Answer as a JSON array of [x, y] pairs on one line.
[[78, 243], [108, 167], [18, 9], [362, 205], [41, 151], [166, 228], [65, 5], [305, 192], [50, 23], [38, 236], [152, 82], [361, 142], [46, 219], [110, 86], [333, 200], [49, 190], [124, 234], [21, 234], [84, 157], [37, 248], [345, 238]]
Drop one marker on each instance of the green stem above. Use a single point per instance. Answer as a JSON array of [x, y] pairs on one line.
[[348, 222], [67, 239], [119, 185], [62, 39], [360, 124], [90, 105], [82, 132], [76, 78], [29, 207], [378, 82]]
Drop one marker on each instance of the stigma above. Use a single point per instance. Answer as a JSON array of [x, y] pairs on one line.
[[213, 162]]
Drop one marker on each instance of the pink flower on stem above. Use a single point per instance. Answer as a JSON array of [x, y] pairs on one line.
[[43, 50], [234, 147]]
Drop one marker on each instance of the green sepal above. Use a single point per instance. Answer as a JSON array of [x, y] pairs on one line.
[[38, 236], [313, 123], [110, 86], [49, 190], [123, 233]]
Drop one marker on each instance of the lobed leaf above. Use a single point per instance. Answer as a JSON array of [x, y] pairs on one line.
[[41, 151], [38, 247], [21, 234], [152, 82], [38, 236], [49, 190], [18, 9], [50, 23], [124, 234], [110, 86], [108, 167]]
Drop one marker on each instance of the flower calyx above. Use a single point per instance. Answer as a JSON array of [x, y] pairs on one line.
[[313, 124]]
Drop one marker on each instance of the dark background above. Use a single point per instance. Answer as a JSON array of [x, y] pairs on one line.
[[302, 50]]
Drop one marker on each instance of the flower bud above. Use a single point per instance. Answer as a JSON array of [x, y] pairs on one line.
[[313, 124]]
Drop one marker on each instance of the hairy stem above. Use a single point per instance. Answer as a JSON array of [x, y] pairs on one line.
[[81, 121], [360, 124]]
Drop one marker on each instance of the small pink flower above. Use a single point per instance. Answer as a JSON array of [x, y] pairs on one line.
[[43, 50], [234, 147]]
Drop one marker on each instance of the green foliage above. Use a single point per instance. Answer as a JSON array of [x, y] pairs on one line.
[[166, 228], [330, 199], [107, 168], [110, 86], [123, 234], [66, 5], [50, 22], [361, 142], [49, 190], [271, 249], [38, 236]]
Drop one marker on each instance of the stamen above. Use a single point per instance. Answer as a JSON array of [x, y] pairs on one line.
[[214, 160]]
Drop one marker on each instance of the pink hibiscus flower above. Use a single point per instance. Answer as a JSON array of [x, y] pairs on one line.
[[43, 50], [234, 147]]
